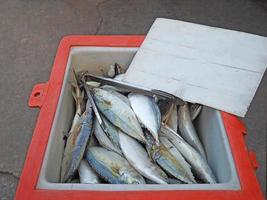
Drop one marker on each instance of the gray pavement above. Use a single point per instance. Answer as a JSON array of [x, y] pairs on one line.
[[30, 32]]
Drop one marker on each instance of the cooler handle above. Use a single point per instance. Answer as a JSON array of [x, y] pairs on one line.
[[38, 95]]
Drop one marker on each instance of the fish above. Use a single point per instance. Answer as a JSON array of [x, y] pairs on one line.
[[137, 156], [119, 95], [110, 87], [76, 144], [172, 164], [199, 165], [87, 174], [172, 120], [167, 109], [187, 129], [178, 156], [195, 110], [164, 107], [118, 113], [148, 181], [104, 140], [147, 112], [112, 167], [78, 96], [167, 143], [112, 132]]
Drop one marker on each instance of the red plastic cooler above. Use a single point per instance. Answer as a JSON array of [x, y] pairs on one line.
[[221, 133]]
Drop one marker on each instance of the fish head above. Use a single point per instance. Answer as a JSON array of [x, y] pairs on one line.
[[150, 140], [100, 97], [155, 152], [130, 176]]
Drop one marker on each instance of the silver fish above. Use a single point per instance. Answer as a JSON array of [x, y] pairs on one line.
[[187, 129], [119, 113], [112, 167], [147, 112], [110, 87], [169, 181], [119, 95], [167, 143], [78, 96], [76, 144], [195, 110], [172, 121], [137, 156], [172, 164], [112, 132], [103, 139], [198, 163], [148, 181], [177, 155], [164, 107], [87, 174]]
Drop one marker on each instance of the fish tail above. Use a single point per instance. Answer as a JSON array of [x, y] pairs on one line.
[[167, 116], [77, 93], [73, 77]]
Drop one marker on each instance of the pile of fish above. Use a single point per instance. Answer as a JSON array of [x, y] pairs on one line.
[[123, 137]]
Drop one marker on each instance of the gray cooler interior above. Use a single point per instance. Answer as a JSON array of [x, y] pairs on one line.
[[97, 60]]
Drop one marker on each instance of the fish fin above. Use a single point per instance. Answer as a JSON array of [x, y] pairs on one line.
[[73, 77], [74, 82], [74, 96], [77, 93], [167, 116], [80, 98], [195, 110]]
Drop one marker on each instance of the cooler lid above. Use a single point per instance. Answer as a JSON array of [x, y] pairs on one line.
[[212, 66]]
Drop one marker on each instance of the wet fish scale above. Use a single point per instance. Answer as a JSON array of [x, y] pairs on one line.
[[101, 170], [119, 113], [139, 159], [112, 167], [112, 132], [119, 95], [172, 122], [198, 163], [76, 145], [86, 174], [187, 129], [169, 163], [106, 140], [172, 149], [195, 110], [147, 112]]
